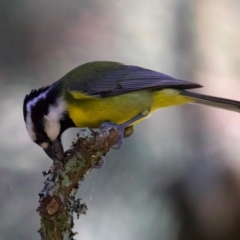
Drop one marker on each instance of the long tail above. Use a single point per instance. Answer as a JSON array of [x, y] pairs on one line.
[[217, 102]]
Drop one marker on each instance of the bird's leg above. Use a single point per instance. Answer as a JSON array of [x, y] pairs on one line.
[[125, 129]]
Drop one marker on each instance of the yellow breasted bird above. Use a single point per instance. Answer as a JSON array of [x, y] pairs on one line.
[[105, 94]]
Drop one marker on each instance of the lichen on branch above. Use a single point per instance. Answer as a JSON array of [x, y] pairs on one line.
[[57, 202]]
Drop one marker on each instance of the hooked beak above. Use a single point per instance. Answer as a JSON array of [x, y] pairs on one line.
[[55, 150]]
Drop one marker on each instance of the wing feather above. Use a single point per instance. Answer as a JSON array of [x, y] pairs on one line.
[[123, 80]]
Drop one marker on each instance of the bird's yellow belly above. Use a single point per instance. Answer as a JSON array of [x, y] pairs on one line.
[[91, 112]]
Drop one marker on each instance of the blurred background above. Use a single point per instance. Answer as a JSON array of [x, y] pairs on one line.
[[178, 176]]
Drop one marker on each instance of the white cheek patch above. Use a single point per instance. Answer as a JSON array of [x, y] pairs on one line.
[[51, 127], [52, 119]]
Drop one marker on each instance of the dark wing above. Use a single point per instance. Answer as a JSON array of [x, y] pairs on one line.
[[106, 82]]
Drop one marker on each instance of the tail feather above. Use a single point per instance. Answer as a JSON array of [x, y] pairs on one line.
[[217, 102]]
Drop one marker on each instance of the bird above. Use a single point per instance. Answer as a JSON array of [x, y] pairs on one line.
[[105, 94]]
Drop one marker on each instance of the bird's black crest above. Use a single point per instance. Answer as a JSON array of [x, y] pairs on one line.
[[34, 93]]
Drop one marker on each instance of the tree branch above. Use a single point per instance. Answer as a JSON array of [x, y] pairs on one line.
[[57, 201]]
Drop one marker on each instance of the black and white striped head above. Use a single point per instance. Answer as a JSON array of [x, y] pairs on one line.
[[44, 114]]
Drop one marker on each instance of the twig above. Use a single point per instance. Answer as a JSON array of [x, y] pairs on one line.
[[57, 201]]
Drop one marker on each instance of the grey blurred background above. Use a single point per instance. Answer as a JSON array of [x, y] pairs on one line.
[[177, 177]]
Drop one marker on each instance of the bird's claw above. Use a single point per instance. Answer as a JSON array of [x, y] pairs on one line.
[[119, 128]]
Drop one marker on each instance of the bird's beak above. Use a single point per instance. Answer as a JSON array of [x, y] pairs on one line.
[[55, 150]]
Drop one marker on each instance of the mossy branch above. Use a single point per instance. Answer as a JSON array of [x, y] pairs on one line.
[[57, 202]]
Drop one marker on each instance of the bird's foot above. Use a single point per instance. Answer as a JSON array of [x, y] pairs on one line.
[[125, 129], [118, 128]]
